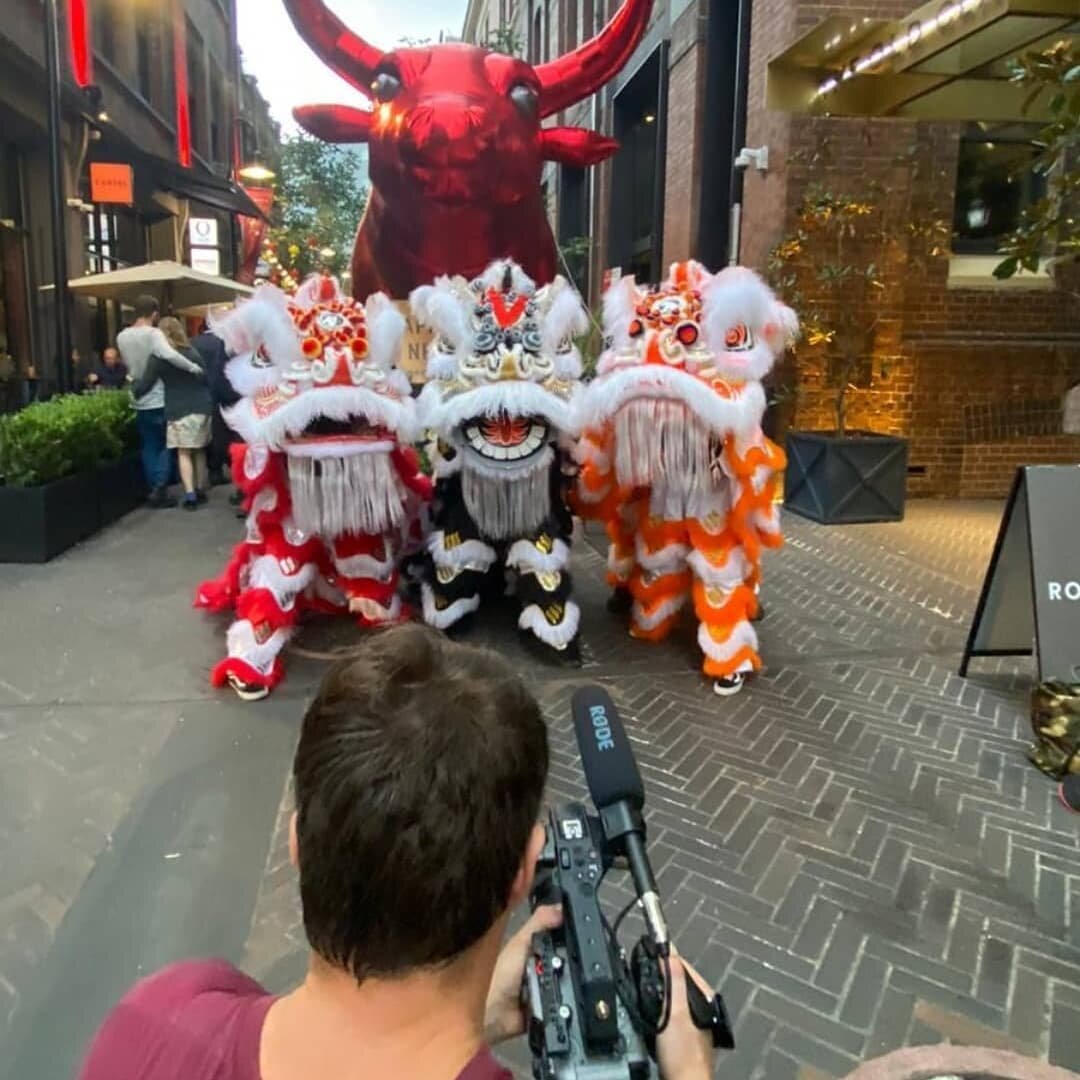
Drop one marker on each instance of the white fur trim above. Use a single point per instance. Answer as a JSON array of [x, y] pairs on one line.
[[337, 448], [619, 303], [532, 619], [247, 378], [444, 619], [441, 365], [385, 326], [742, 635], [266, 572], [515, 397], [240, 643], [442, 307], [726, 576], [661, 613], [667, 560], [493, 276], [523, 555], [468, 554], [335, 403], [364, 566], [609, 393], [262, 320], [324, 590], [563, 314]]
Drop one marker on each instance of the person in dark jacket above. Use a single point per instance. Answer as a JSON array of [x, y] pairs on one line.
[[188, 408], [111, 373], [215, 356]]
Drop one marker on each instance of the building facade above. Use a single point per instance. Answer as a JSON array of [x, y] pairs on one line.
[[970, 369], [145, 57]]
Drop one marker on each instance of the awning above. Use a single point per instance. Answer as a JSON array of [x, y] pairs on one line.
[[179, 288], [947, 60], [154, 172]]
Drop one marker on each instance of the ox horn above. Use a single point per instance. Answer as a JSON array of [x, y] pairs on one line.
[[345, 53], [578, 74]]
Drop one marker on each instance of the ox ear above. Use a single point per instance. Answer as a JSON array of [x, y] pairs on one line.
[[575, 147], [620, 302], [334, 123], [386, 328]]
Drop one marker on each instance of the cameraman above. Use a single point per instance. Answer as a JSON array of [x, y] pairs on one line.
[[418, 778]]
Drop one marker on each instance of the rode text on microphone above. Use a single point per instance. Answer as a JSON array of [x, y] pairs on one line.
[[592, 1014]]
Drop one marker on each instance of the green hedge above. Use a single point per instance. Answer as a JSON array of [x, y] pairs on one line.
[[66, 435]]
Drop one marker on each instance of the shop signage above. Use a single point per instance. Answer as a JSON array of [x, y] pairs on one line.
[[203, 232], [1030, 599], [414, 345], [111, 183], [206, 260]]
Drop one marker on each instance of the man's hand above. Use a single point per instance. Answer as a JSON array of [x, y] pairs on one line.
[[683, 1051], [503, 1018]]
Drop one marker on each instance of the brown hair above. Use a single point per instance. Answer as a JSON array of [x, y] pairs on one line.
[[419, 776], [174, 332]]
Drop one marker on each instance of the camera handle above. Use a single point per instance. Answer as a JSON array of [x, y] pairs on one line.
[[651, 972]]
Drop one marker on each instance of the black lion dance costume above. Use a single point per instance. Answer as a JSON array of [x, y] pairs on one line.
[[501, 402]]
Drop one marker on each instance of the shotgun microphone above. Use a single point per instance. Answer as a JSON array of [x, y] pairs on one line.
[[618, 793]]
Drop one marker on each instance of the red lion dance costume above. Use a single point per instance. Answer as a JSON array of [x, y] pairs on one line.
[[503, 382], [333, 491], [674, 461]]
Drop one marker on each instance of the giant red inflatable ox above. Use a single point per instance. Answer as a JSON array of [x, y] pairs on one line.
[[457, 145]]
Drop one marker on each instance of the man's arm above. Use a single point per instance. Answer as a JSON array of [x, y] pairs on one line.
[[162, 349], [141, 387]]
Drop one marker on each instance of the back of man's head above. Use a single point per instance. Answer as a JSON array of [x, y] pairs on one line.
[[419, 776], [146, 308]]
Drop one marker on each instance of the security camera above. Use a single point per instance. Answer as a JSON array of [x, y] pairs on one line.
[[757, 158]]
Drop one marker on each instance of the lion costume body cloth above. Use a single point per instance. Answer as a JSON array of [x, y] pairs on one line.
[[503, 382], [332, 486], [673, 458]]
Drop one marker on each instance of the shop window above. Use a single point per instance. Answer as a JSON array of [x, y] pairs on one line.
[[197, 92], [570, 25], [100, 235], [218, 119], [995, 182]]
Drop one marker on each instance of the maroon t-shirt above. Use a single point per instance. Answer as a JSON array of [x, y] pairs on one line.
[[199, 1020]]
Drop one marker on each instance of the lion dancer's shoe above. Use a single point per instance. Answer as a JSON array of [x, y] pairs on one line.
[[544, 590]]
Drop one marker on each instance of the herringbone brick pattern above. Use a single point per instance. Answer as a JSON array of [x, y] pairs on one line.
[[855, 849]]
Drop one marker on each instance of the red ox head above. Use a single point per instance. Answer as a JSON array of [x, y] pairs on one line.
[[457, 146]]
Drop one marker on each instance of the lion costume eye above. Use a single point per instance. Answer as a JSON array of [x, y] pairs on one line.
[[739, 339]]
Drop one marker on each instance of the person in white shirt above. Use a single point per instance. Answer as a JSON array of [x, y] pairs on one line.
[[137, 344]]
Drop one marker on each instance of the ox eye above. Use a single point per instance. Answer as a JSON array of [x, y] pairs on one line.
[[386, 86], [739, 339], [525, 99]]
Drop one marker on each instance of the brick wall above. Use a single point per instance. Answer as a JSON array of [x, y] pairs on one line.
[[976, 376]]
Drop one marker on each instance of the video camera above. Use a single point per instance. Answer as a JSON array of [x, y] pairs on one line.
[[593, 1015]]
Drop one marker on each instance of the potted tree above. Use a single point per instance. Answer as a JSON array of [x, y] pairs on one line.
[[830, 270], [66, 469]]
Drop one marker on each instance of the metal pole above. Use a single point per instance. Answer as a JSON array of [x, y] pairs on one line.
[[58, 198]]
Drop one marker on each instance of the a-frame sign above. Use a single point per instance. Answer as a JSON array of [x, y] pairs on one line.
[[1030, 599]]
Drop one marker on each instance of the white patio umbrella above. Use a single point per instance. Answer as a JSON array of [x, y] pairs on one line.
[[178, 288]]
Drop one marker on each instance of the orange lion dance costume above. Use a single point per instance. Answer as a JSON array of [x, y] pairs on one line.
[[674, 461]]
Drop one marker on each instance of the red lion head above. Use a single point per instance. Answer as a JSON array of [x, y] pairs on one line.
[[457, 145]]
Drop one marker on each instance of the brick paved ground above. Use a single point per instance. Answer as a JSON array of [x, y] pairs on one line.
[[854, 849]]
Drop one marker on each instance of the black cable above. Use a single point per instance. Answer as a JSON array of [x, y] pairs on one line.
[[622, 915]]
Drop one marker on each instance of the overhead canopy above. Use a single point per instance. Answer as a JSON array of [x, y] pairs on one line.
[[178, 288], [947, 60], [155, 172]]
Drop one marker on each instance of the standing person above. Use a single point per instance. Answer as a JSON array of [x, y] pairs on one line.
[[215, 356], [187, 410], [111, 373], [80, 372], [137, 344]]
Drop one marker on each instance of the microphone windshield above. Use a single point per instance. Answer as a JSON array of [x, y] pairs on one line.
[[610, 769]]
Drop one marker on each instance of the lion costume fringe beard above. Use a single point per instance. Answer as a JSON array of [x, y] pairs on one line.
[[333, 490], [504, 377], [674, 461]]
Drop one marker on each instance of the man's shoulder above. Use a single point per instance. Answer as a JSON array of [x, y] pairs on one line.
[[184, 1015]]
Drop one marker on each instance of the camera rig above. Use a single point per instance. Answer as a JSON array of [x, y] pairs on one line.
[[594, 1015]]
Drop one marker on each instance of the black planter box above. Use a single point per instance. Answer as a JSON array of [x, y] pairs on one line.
[[120, 488], [853, 480], [37, 523]]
